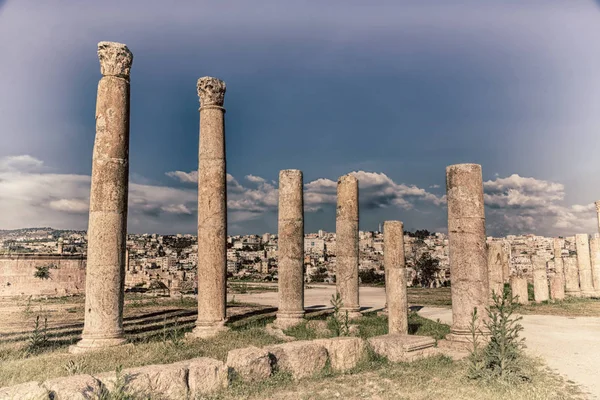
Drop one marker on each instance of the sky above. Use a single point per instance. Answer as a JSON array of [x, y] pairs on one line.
[[390, 91]]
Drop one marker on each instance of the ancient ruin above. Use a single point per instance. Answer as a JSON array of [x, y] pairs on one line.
[[571, 276], [584, 264], [107, 229], [467, 242], [395, 277], [346, 227], [290, 249], [495, 257], [212, 210], [540, 279], [595, 260], [518, 287]]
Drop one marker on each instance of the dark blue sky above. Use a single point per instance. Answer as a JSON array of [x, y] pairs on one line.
[[396, 88]]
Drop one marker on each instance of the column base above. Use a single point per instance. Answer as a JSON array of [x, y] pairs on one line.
[[573, 294], [463, 339], [286, 320], [588, 294], [87, 344], [207, 331]]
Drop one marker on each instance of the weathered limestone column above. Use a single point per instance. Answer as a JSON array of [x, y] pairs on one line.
[[558, 244], [467, 247], [584, 264], [557, 287], [346, 227], [107, 228], [540, 279], [212, 211], [518, 287], [571, 276], [495, 268], [395, 277], [505, 261], [60, 245], [595, 255], [597, 203], [290, 251]]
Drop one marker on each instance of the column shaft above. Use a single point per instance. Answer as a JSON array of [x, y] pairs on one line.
[[571, 276], [467, 246], [518, 287], [584, 264], [212, 210], [395, 277], [540, 279], [346, 226], [290, 249], [107, 228], [595, 255], [495, 268]]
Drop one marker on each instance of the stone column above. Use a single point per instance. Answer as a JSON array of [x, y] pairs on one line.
[[395, 277], [518, 287], [495, 268], [107, 227], [60, 245], [346, 227], [595, 255], [597, 203], [571, 276], [467, 247], [584, 264], [505, 261], [557, 287], [558, 244], [540, 279], [290, 249], [212, 211]]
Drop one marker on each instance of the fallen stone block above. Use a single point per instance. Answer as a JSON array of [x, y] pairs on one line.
[[344, 352], [162, 381], [302, 359], [76, 387], [403, 348], [250, 363], [25, 391], [206, 375]]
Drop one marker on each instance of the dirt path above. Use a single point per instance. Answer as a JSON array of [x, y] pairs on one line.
[[569, 345]]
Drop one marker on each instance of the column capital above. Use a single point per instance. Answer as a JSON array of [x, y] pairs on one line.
[[211, 91], [115, 59]]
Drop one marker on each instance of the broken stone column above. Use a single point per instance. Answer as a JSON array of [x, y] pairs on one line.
[[597, 203], [212, 211], [558, 244], [540, 279], [467, 247], [557, 287], [584, 264], [290, 251], [395, 277], [571, 276], [518, 287], [107, 228], [346, 227], [505, 261], [595, 256], [495, 268]]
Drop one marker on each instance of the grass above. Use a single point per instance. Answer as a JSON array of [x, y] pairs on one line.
[[569, 307], [439, 297], [433, 378]]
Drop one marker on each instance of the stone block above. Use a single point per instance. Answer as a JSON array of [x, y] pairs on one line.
[[344, 352], [76, 387], [302, 359], [206, 375], [250, 363], [163, 381], [403, 348], [24, 391]]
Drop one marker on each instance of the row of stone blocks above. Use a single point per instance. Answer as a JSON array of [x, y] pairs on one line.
[[196, 377]]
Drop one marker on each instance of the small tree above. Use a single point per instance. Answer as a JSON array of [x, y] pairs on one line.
[[43, 272], [427, 269]]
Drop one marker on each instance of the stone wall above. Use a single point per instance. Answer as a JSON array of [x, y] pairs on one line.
[[66, 274]]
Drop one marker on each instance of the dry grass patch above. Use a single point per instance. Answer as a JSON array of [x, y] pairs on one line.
[[570, 307], [440, 297]]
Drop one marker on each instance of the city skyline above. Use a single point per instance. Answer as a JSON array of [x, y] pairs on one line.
[[429, 86]]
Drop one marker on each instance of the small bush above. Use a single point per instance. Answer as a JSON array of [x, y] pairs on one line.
[[337, 323], [38, 339], [43, 272]]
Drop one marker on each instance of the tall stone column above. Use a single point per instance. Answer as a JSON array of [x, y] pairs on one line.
[[346, 227], [107, 227], [540, 279], [518, 287], [290, 249], [495, 268], [597, 203], [557, 287], [506, 261], [595, 255], [212, 211], [571, 276], [558, 244], [467, 247], [584, 264], [395, 277]]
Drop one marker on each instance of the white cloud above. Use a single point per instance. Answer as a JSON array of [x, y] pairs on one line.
[[186, 177], [20, 163]]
